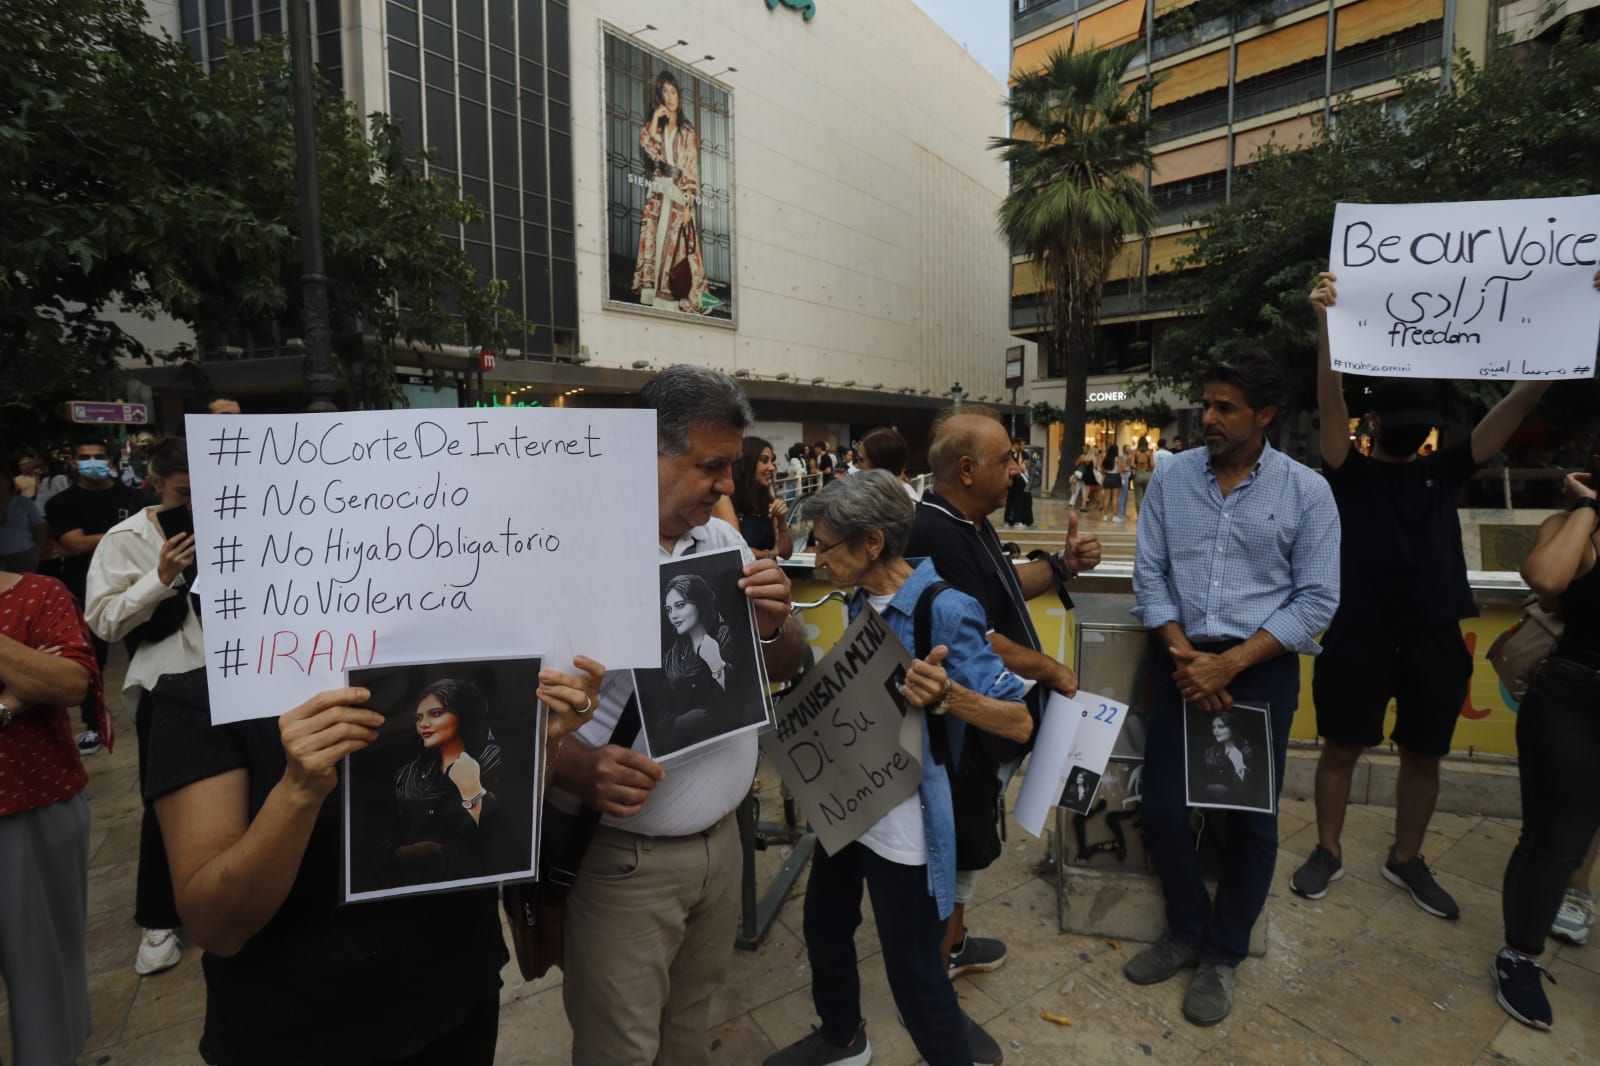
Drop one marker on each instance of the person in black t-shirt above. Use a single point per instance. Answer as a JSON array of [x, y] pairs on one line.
[[78, 517], [1397, 633], [253, 839], [973, 465]]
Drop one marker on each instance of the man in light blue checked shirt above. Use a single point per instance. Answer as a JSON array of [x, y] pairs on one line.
[[1236, 573]]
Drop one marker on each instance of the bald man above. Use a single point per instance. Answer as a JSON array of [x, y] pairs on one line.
[[973, 465]]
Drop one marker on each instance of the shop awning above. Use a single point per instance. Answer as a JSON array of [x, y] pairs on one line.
[[1208, 157], [1372, 19], [1282, 48], [1191, 79]]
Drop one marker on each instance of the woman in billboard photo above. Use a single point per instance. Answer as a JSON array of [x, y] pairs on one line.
[[698, 665], [446, 796], [670, 271]]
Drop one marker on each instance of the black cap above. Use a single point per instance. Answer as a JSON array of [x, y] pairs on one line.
[[1407, 400]]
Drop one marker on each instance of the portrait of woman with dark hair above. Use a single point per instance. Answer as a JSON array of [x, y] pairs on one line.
[[697, 664], [1229, 755], [446, 796], [670, 271]]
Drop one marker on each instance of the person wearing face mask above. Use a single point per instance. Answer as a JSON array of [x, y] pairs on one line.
[[1397, 633], [78, 518], [138, 591]]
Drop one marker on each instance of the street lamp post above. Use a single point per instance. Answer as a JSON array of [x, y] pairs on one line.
[[321, 378]]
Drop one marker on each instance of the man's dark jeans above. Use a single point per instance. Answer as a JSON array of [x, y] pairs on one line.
[[910, 932], [1220, 930], [1558, 753]]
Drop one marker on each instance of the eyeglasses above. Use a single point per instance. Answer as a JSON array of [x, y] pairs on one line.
[[822, 549]]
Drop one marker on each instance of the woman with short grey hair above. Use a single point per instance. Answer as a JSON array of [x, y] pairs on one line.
[[905, 860]]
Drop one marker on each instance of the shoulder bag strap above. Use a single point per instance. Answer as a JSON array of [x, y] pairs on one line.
[[922, 628]]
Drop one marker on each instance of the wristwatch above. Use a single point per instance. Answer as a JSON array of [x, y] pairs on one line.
[[475, 800], [1590, 502]]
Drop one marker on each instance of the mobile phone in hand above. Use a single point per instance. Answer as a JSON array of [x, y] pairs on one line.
[[175, 520]]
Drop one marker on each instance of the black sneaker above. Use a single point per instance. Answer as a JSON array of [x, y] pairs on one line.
[[1320, 870], [1417, 879], [977, 954], [1517, 988], [983, 1048], [813, 1050], [89, 742]]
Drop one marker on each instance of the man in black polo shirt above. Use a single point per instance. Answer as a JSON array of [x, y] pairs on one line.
[[78, 517], [1397, 633], [973, 466]]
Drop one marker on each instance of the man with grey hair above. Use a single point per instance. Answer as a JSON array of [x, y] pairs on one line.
[[973, 466], [651, 914]]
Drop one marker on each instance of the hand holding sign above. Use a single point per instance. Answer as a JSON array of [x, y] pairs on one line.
[[618, 780], [319, 733]]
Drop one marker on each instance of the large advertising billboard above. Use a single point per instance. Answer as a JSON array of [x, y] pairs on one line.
[[669, 185]]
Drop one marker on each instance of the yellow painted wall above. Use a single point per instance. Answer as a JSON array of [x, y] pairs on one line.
[[1488, 720]]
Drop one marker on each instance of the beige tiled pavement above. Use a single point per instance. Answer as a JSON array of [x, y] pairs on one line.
[[1360, 976]]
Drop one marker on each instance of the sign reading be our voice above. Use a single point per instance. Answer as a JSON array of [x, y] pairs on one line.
[[1494, 289]]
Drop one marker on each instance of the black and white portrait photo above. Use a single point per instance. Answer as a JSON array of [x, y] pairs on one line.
[[1079, 792], [446, 797], [711, 683], [1228, 757]]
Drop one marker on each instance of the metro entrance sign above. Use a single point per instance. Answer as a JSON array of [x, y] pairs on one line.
[[100, 413], [486, 359]]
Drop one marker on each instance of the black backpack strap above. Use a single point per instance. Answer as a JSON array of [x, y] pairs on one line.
[[922, 628], [557, 877]]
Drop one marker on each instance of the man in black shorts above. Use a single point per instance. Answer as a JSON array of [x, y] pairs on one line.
[[1397, 633]]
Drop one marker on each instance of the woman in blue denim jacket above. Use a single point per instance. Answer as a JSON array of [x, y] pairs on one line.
[[906, 860]]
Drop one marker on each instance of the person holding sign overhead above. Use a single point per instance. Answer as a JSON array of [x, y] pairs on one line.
[[648, 920], [906, 860], [1235, 574], [1397, 633], [254, 843]]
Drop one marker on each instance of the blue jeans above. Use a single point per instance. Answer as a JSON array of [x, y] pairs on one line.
[[1220, 930], [910, 932]]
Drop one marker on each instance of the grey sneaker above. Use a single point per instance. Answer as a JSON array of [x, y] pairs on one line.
[[977, 954], [1160, 961], [1417, 879], [1210, 995], [813, 1050], [1320, 870], [1574, 918], [982, 1047]]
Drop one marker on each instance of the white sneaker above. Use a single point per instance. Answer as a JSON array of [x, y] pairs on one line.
[[89, 742], [158, 951], [1118, 518], [1574, 918]]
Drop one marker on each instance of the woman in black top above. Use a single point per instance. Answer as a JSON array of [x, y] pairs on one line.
[[1231, 768], [291, 975], [1558, 748], [446, 797], [762, 519], [699, 664]]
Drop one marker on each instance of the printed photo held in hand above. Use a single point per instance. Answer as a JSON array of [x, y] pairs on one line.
[[1228, 757], [1082, 784], [712, 683], [447, 796]]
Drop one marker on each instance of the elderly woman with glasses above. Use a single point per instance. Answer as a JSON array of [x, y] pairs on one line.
[[907, 858]]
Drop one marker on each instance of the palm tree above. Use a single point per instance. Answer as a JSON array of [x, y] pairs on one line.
[[1080, 141]]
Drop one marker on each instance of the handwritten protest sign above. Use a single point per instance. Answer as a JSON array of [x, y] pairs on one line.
[[1073, 747], [332, 542], [847, 744], [1496, 289]]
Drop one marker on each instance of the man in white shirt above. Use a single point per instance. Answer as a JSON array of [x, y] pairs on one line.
[[650, 919]]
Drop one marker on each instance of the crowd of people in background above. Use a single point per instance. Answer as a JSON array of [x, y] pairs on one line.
[[1247, 558]]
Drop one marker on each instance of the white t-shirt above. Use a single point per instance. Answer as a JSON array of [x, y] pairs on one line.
[[701, 787], [898, 836]]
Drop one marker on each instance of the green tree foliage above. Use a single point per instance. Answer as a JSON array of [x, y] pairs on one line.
[[1079, 139], [1521, 125], [131, 181]]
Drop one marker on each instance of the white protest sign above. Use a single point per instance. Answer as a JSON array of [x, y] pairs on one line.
[[1494, 289], [333, 542], [847, 744], [1075, 738]]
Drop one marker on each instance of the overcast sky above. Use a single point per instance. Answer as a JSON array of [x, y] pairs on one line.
[[983, 26]]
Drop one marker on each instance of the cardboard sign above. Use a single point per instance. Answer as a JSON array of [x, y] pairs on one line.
[[333, 542], [847, 744], [1070, 756], [1495, 289]]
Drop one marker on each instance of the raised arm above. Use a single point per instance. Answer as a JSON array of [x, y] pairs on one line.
[[1331, 409], [232, 873], [1563, 543]]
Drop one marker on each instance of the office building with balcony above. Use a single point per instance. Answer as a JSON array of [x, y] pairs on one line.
[[1228, 84]]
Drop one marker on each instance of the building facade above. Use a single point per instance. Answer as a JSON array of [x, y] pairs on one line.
[[818, 216], [1260, 73]]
